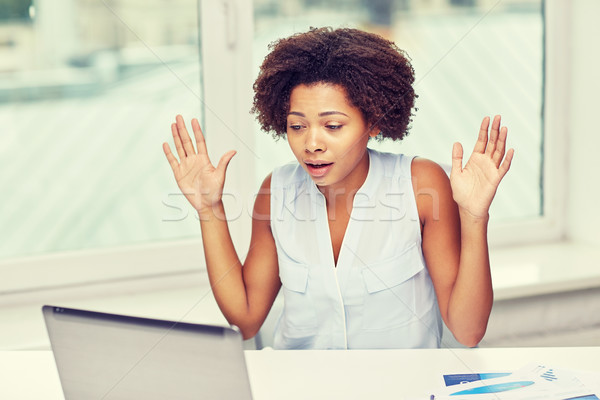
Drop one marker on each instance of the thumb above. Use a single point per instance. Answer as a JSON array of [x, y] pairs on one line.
[[457, 157], [224, 161]]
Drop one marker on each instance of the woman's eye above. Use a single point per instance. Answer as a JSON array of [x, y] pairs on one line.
[[333, 127], [295, 127]]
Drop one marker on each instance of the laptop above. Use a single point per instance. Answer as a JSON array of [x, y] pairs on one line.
[[109, 356]]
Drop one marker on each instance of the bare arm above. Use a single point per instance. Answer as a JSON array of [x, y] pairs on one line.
[[244, 292], [455, 230]]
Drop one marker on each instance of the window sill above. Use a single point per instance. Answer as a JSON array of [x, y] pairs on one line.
[[517, 272], [542, 269], [181, 297]]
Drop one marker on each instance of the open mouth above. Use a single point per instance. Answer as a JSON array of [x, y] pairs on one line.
[[318, 168], [319, 165]]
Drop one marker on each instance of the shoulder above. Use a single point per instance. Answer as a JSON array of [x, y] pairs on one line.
[[283, 182], [389, 165], [432, 188], [422, 170], [262, 204], [287, 174], [426, 173]]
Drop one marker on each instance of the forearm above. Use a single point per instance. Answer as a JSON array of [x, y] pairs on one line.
[[224, 266], [202, 184], [472, 297]]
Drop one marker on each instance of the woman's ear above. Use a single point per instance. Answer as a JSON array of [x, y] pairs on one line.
[[374, 131]]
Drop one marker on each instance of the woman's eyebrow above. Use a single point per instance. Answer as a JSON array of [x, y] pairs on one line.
[[325, 113], [322, 114]]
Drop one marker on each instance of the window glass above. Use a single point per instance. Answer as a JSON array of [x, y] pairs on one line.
[[87, 92], [472, 58]]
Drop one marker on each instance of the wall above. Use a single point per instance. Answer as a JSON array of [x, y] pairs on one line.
[[583, 218]]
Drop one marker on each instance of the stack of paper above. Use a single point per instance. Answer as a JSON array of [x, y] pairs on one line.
[[531, 382]]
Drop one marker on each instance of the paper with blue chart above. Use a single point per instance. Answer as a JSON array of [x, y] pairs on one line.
[[532, 382]]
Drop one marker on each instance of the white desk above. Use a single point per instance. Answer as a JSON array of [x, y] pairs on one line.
[[372, 374]]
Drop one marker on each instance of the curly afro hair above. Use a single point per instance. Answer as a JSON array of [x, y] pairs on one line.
[[375, 73]]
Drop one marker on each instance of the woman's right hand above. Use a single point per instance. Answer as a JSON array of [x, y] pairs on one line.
[[199, 181]]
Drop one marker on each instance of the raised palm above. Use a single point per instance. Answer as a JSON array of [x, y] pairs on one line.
[[475, 185], [197, 178]]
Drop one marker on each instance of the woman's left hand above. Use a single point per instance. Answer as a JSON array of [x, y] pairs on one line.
[[474, 186]]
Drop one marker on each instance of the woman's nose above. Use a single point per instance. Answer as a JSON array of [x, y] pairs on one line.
[[314, 141]]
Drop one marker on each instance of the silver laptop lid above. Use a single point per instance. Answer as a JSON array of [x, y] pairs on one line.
[[108, 356]]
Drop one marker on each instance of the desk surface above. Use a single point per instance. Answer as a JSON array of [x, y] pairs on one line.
[[374, 374]]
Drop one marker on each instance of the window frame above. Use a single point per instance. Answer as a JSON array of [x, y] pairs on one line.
[[31, 274], [228, 125], [551, 225]]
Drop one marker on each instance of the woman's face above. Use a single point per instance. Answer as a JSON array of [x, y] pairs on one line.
[[328, 136]]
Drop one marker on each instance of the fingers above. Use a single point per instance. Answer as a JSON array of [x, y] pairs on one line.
[[483, 136], [494, 133], [500, 146], [505, 166], [457, 157], [200, 142], [494, 146], [170, 157], [183, 134], [177, 141], [224, 161]]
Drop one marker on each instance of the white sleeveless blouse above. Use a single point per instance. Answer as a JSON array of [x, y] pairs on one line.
[[380, 294]]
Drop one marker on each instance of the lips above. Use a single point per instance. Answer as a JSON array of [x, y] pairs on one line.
[[318, 168]]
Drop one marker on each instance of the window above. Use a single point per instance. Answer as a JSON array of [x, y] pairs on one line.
[[88, 89], [471, 59]]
